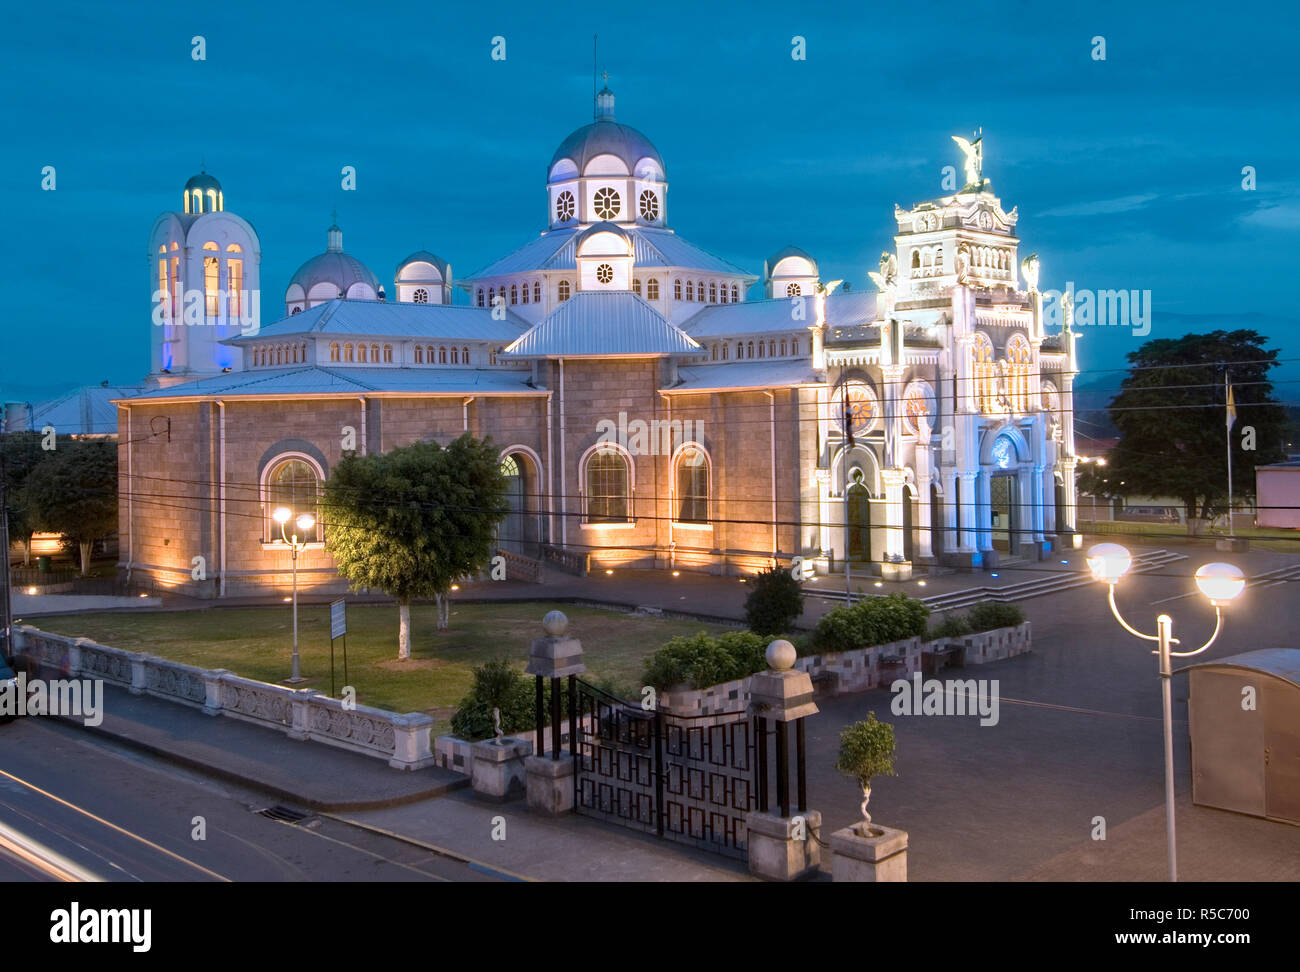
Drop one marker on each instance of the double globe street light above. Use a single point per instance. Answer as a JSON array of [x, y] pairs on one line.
[[305, 522], [1220, 583]]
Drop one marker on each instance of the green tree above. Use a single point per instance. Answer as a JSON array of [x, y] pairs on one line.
[[1171, 416], [20, 453], [73, 492], [775, 600], [413, 521]]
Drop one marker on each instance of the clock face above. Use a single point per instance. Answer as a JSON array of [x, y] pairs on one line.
[[926, 222], [649, 205], [604, 273], [607, 203], [564, 207]]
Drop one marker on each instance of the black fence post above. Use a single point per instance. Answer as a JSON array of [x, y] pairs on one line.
[[801, 766], [782, 770], [555, 718], [541, 718], [659, 772], [761, 732]]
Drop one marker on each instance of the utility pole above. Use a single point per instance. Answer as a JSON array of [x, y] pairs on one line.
[[6, 604]]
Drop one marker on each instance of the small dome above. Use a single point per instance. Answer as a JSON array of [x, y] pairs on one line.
[[424, 256], [790, 251], [334, 267], [606, 137], [204, 182]]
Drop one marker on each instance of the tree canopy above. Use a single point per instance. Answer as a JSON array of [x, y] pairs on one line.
[[73, 492], [412, 521], [1172, 421]]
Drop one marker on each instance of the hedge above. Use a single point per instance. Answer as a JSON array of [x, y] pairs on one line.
[[872, 621]]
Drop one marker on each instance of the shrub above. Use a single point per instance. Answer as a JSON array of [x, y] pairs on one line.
[[702, 660], [994, 614], [497, 685], [952, 626], [873, 621], [775, 600]]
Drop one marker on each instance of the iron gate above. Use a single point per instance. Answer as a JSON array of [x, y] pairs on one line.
[[684, 778]]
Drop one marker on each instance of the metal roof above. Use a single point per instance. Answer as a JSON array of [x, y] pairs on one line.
[[83, 411], [602, 323], [1281, 662], [379, 318], [336, 267], [557, 250], [777, 314], [606, 137], [746, 374], [315, 380]]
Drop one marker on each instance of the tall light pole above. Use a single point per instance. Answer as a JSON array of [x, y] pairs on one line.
[[1220, 583], [305, 522]]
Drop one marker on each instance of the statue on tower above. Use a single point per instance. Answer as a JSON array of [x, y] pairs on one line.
[[974, 160]]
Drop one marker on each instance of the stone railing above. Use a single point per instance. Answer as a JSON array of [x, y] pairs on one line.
[[301, 713], [837, 673], [519, 567]]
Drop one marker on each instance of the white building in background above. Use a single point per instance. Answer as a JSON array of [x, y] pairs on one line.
[[927, 422]]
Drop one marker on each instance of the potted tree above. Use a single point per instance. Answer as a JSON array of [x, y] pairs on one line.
[[866, 751]]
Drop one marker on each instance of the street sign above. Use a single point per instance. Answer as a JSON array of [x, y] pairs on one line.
[[338, 618]]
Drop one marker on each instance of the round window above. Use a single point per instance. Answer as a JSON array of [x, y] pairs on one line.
[[649, 205], [604, 273], [564, 207], [607, 203]]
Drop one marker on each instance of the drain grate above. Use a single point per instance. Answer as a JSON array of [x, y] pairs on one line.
[[284, 814]]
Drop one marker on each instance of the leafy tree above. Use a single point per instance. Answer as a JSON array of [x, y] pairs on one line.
[[1171, 418], [73, 492], [774, 601], [20, 453], [412, 521]]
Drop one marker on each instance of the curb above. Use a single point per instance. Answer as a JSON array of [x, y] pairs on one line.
[[310, 803]]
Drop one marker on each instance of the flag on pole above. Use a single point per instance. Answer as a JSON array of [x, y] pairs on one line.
[[1232, 409]]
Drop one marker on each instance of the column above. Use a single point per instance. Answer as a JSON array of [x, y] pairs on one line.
[[894, 566], [1070, 496], [969, 537]]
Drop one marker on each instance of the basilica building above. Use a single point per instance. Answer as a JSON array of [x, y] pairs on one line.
[[655, 405]]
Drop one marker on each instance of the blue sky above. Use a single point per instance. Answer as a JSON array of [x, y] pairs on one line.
[[1126, 172]]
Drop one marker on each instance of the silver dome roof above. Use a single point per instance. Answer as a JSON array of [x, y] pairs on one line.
[[338, 268]]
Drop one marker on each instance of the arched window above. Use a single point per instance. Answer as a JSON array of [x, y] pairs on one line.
[[492, 356], [735, 294], [563, 290], [428, 354], [1018, 364], [713, 292], [455, 355], [938, 258], [607, 478], [983, 372], [211, 279], [293, 354], [749, 350], [374, 353], [480, 296], [442, 355], [783, 348], [361, 353], [492, 296], [537, 291], [677, 289], [514, 293], [1051, 405], [347, 353], [794, 346], [793, 290], [692, 486], [916, 259], [388, 354], [523, 293], [294, 484], [761, 350], [419, 354], [636, 286], [771, 349], [690, 290], [464, 355], [303, 354], [726, 350], [234, 280], [740, 350], [652, 289]]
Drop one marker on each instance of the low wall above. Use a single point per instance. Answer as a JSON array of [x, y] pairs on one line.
[[306, 714], [838, 673]]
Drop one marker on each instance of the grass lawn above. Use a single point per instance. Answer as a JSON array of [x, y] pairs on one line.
[[1264, 538], [258, 643]]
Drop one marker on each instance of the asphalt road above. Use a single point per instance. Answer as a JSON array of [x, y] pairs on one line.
[[72, 804]]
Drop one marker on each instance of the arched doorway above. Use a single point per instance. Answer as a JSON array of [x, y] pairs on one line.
[[859, 519], [511, 532]]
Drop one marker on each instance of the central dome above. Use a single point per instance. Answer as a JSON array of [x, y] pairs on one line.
[[605, 136]]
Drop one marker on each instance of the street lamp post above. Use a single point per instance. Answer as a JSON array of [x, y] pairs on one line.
[[305, 522], [1220, 583]]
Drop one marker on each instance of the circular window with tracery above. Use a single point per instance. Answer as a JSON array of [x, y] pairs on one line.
[[421, 296], [607, 203], [649, 205], [856, 402], [604, 273], [564, 207], [918, 403]]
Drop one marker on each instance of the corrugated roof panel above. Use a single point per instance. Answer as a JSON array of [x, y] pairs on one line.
[[382, 319], [536, 254], [605, 322], [747, 374], [312, 380]]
